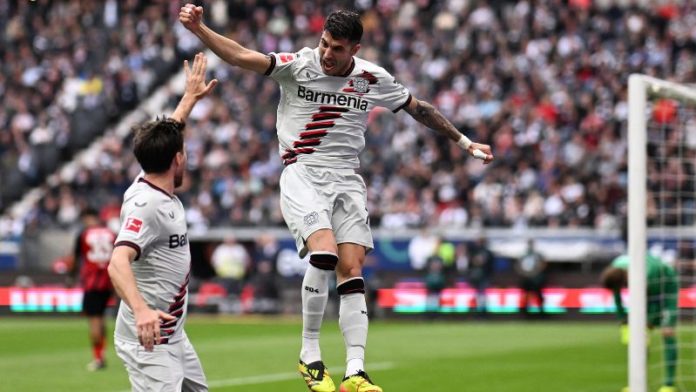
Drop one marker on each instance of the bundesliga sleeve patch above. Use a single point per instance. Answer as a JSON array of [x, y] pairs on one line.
[[285, 57], [133, 224]]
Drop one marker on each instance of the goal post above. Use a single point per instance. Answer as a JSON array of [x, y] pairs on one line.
[[637, 232], [641, 90]]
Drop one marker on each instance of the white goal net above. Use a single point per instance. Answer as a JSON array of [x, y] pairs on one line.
[[662, 223]]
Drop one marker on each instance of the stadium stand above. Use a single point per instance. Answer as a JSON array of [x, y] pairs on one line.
[[68, 70], [544, 85]]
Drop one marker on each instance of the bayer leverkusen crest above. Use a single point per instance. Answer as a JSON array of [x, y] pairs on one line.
[[361, 85]]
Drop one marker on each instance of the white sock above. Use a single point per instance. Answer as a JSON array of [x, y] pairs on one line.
[[354, 365], [315, 293], [353, 320]]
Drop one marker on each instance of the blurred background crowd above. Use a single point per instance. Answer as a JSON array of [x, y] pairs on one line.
[[544, 84]]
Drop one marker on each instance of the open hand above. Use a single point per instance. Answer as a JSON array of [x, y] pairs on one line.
[[195, 77]]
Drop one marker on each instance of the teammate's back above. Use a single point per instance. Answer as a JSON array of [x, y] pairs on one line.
[[151, 261], [154, 223]]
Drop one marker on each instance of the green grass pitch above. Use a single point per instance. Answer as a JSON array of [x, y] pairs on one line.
[[259, 355]]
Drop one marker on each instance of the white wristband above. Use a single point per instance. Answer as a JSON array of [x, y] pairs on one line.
[[464, 142]]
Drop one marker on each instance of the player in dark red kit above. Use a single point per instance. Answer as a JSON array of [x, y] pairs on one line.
[[92, 254]]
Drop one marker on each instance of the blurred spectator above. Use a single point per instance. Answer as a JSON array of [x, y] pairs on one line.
[[263, 276], [266, 288], [686, 257], [446, 252], [266, 249], [480, 270], [421, 248], [374, 280], [230, 260], [462, 258], [531, 270], [434, 284]]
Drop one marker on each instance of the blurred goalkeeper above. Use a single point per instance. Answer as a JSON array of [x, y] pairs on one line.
[[663, 295], [326, 95], [151, 261]]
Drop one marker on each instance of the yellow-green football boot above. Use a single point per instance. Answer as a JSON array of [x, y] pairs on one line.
[[359, 382], [317, 377]]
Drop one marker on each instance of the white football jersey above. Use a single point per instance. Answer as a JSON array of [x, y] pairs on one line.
[[153, 223], [322, 119]]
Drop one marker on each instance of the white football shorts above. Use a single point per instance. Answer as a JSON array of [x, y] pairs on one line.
[[313, 198], [168, 367]]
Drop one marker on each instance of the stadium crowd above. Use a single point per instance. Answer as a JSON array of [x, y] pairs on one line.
[[68, 70], [544, 82]]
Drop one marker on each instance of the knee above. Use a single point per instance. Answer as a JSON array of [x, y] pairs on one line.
[[668, 332], [348, 270], [325, 248], [323, 260], [322, 241]]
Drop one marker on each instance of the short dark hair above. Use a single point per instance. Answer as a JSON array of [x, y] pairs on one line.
[[156, 143], [614, 278], [89, 211], [344, 24]]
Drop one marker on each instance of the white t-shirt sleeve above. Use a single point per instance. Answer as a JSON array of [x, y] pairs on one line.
[[139, 227], [392, 94], [281, 65]]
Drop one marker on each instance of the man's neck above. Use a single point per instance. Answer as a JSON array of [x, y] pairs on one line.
[[348, 69], [163, 181]]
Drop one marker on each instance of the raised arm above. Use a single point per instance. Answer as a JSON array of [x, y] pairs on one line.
[[227, 49], [196, 88], [428, 115]]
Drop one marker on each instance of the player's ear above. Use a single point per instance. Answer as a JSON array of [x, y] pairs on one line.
[[355, 49], [179, 158]]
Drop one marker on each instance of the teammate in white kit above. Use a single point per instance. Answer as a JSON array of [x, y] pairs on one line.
[[151, 261], [326, 95]]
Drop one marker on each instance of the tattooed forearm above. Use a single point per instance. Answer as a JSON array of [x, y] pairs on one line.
[[427, 115]]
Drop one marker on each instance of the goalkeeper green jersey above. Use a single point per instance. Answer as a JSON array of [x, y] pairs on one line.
[[662, 290]]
